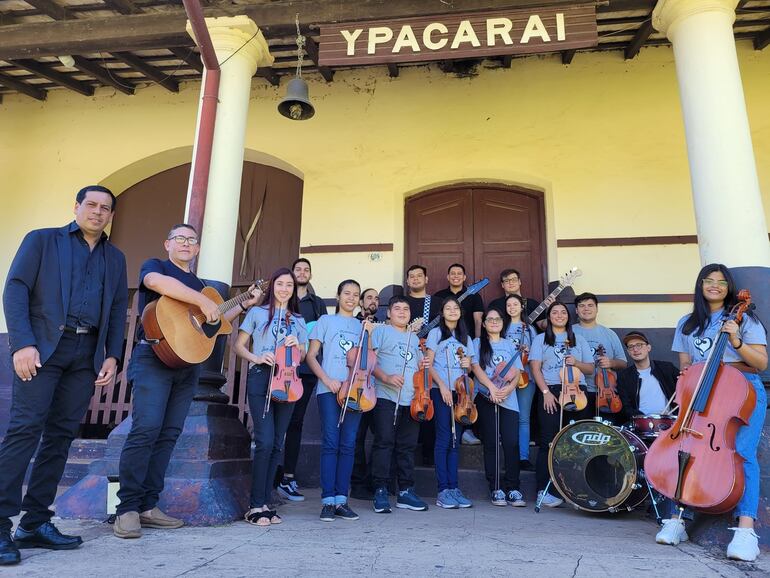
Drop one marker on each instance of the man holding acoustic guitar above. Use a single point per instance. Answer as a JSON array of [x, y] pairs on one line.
[[164, 370]]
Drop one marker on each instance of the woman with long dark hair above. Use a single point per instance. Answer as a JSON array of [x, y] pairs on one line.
[[521, 334], [696, 333], [337, 334], [549, 353], [498, 410], [268, 326]]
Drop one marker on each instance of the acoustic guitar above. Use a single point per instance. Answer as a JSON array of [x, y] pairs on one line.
[[183, 336]]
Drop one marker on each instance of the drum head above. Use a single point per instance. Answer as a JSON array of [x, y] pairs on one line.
[[593, 465]]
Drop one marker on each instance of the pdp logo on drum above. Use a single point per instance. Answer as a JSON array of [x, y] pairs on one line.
[[591, 438]]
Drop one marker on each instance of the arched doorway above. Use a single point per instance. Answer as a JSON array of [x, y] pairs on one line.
[[487, 228], [269, 220]]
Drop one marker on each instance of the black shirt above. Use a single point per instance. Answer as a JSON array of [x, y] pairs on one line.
[[87, 280], [164, 268], [470, 305], [417, 307], [311, 307], [529, 306]]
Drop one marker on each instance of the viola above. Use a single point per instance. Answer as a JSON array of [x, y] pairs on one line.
[[286, 385], [421, 408], [465, 411], [607, 398], [571, 398], [695, 462], [358, 392]]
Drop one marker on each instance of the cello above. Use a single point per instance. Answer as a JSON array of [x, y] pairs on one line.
[[465, 411], [285, 385], [358, 393], [607, 398], [571, 398], [695, 463], [421, 408]]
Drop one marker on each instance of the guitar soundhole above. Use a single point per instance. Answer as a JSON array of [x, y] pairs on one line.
[[208, 329]]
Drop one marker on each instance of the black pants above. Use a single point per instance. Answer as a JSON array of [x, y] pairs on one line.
[[428, 440], [399, 442], [50, 406], [294, 432], [161, 398], [549, 427], [269, 432], [362, 466], [508, 430]]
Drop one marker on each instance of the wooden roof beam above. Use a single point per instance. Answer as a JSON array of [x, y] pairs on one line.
[[269, 74], [55, 76], [312, 52], [762, 39], [393, 69], [52, 9], [149, 71], [641, 36], [22, 87], [567, 56], [103, 75], [122, 6], [192, 58]]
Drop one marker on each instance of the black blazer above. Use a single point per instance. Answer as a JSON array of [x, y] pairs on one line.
[[37, 294], [629, 384]]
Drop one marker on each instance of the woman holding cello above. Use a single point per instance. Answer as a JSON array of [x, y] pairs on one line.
[[521, 334], [499, 408], [338, 334], [696, 333], [275, 325], [447, 367], [553, 351]]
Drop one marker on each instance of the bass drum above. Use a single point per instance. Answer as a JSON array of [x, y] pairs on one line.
[[597, 467]]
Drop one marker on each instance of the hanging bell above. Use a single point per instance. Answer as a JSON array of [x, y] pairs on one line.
[[296, 104]]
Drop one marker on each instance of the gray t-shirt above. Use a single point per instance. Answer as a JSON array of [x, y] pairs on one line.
[[441, 348], [392, 352], [502, 352], [338, 335], [699, 346], [263, 338], [552, 356], [596, 336]]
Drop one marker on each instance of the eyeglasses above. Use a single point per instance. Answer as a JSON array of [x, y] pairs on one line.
[[510, 280], [636, 346], [715, 283], [494, 320], [181, 239]]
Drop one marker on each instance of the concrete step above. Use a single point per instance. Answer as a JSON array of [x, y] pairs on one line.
[[82, 453]]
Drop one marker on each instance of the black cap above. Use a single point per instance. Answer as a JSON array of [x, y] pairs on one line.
[[635, 335]]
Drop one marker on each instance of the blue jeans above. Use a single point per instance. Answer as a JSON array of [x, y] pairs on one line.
[[269, 433], [525, 397], [161, 397], [746, 443], [444, 452], [338, 446]]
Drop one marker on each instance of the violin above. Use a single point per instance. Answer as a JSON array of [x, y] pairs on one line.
[[571, 398], [421, 408], [286, 385], [607, 398], [695, 463], [503, 374], [358, 393], [523, 375], [465, 411]]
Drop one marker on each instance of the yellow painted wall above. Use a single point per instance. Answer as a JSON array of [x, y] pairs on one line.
[[603, 138]]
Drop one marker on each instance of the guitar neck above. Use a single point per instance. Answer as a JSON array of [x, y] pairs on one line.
[[542, 307], [230, 303]]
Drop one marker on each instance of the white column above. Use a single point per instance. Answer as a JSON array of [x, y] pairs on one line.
[[728, 204], [239, 41]]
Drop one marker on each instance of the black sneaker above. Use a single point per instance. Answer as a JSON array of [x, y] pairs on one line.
[[343, 511], [526, 466], [288, 489], [327, 513]]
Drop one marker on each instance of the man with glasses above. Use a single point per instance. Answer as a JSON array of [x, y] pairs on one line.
[[161, 396], [510, 281], [646, 386]]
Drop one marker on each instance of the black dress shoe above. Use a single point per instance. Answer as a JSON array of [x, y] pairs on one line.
[[45, 536], [9, 553]]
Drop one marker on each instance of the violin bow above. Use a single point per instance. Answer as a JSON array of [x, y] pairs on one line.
[[403, 372], [352, 377], [451, 412], [272, 371]]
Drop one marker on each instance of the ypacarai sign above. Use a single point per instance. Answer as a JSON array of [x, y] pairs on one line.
[[471, 35]]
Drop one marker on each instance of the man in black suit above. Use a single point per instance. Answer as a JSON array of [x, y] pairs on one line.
[[65, 306]]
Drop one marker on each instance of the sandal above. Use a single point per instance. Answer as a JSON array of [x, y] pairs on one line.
[[274, 517], [258, 518]]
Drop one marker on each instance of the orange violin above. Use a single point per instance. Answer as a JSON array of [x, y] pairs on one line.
[[285, 385], [358, 393], [607, 398], [465, 411], [571, 398], [421, 408]]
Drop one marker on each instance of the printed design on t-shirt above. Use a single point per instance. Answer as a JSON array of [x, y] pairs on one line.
[[345, 344], [560, 351], [407, 355], [516, 341], [497, 359], [702, 344], [279, 333]]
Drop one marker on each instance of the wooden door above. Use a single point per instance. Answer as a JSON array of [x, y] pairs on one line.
[[486, 228]]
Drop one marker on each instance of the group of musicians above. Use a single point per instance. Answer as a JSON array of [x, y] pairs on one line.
[[65, 301]]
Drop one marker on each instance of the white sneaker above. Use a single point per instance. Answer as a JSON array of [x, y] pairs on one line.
[[548, 500], [672, 532], [744, 545], [469, 439]]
